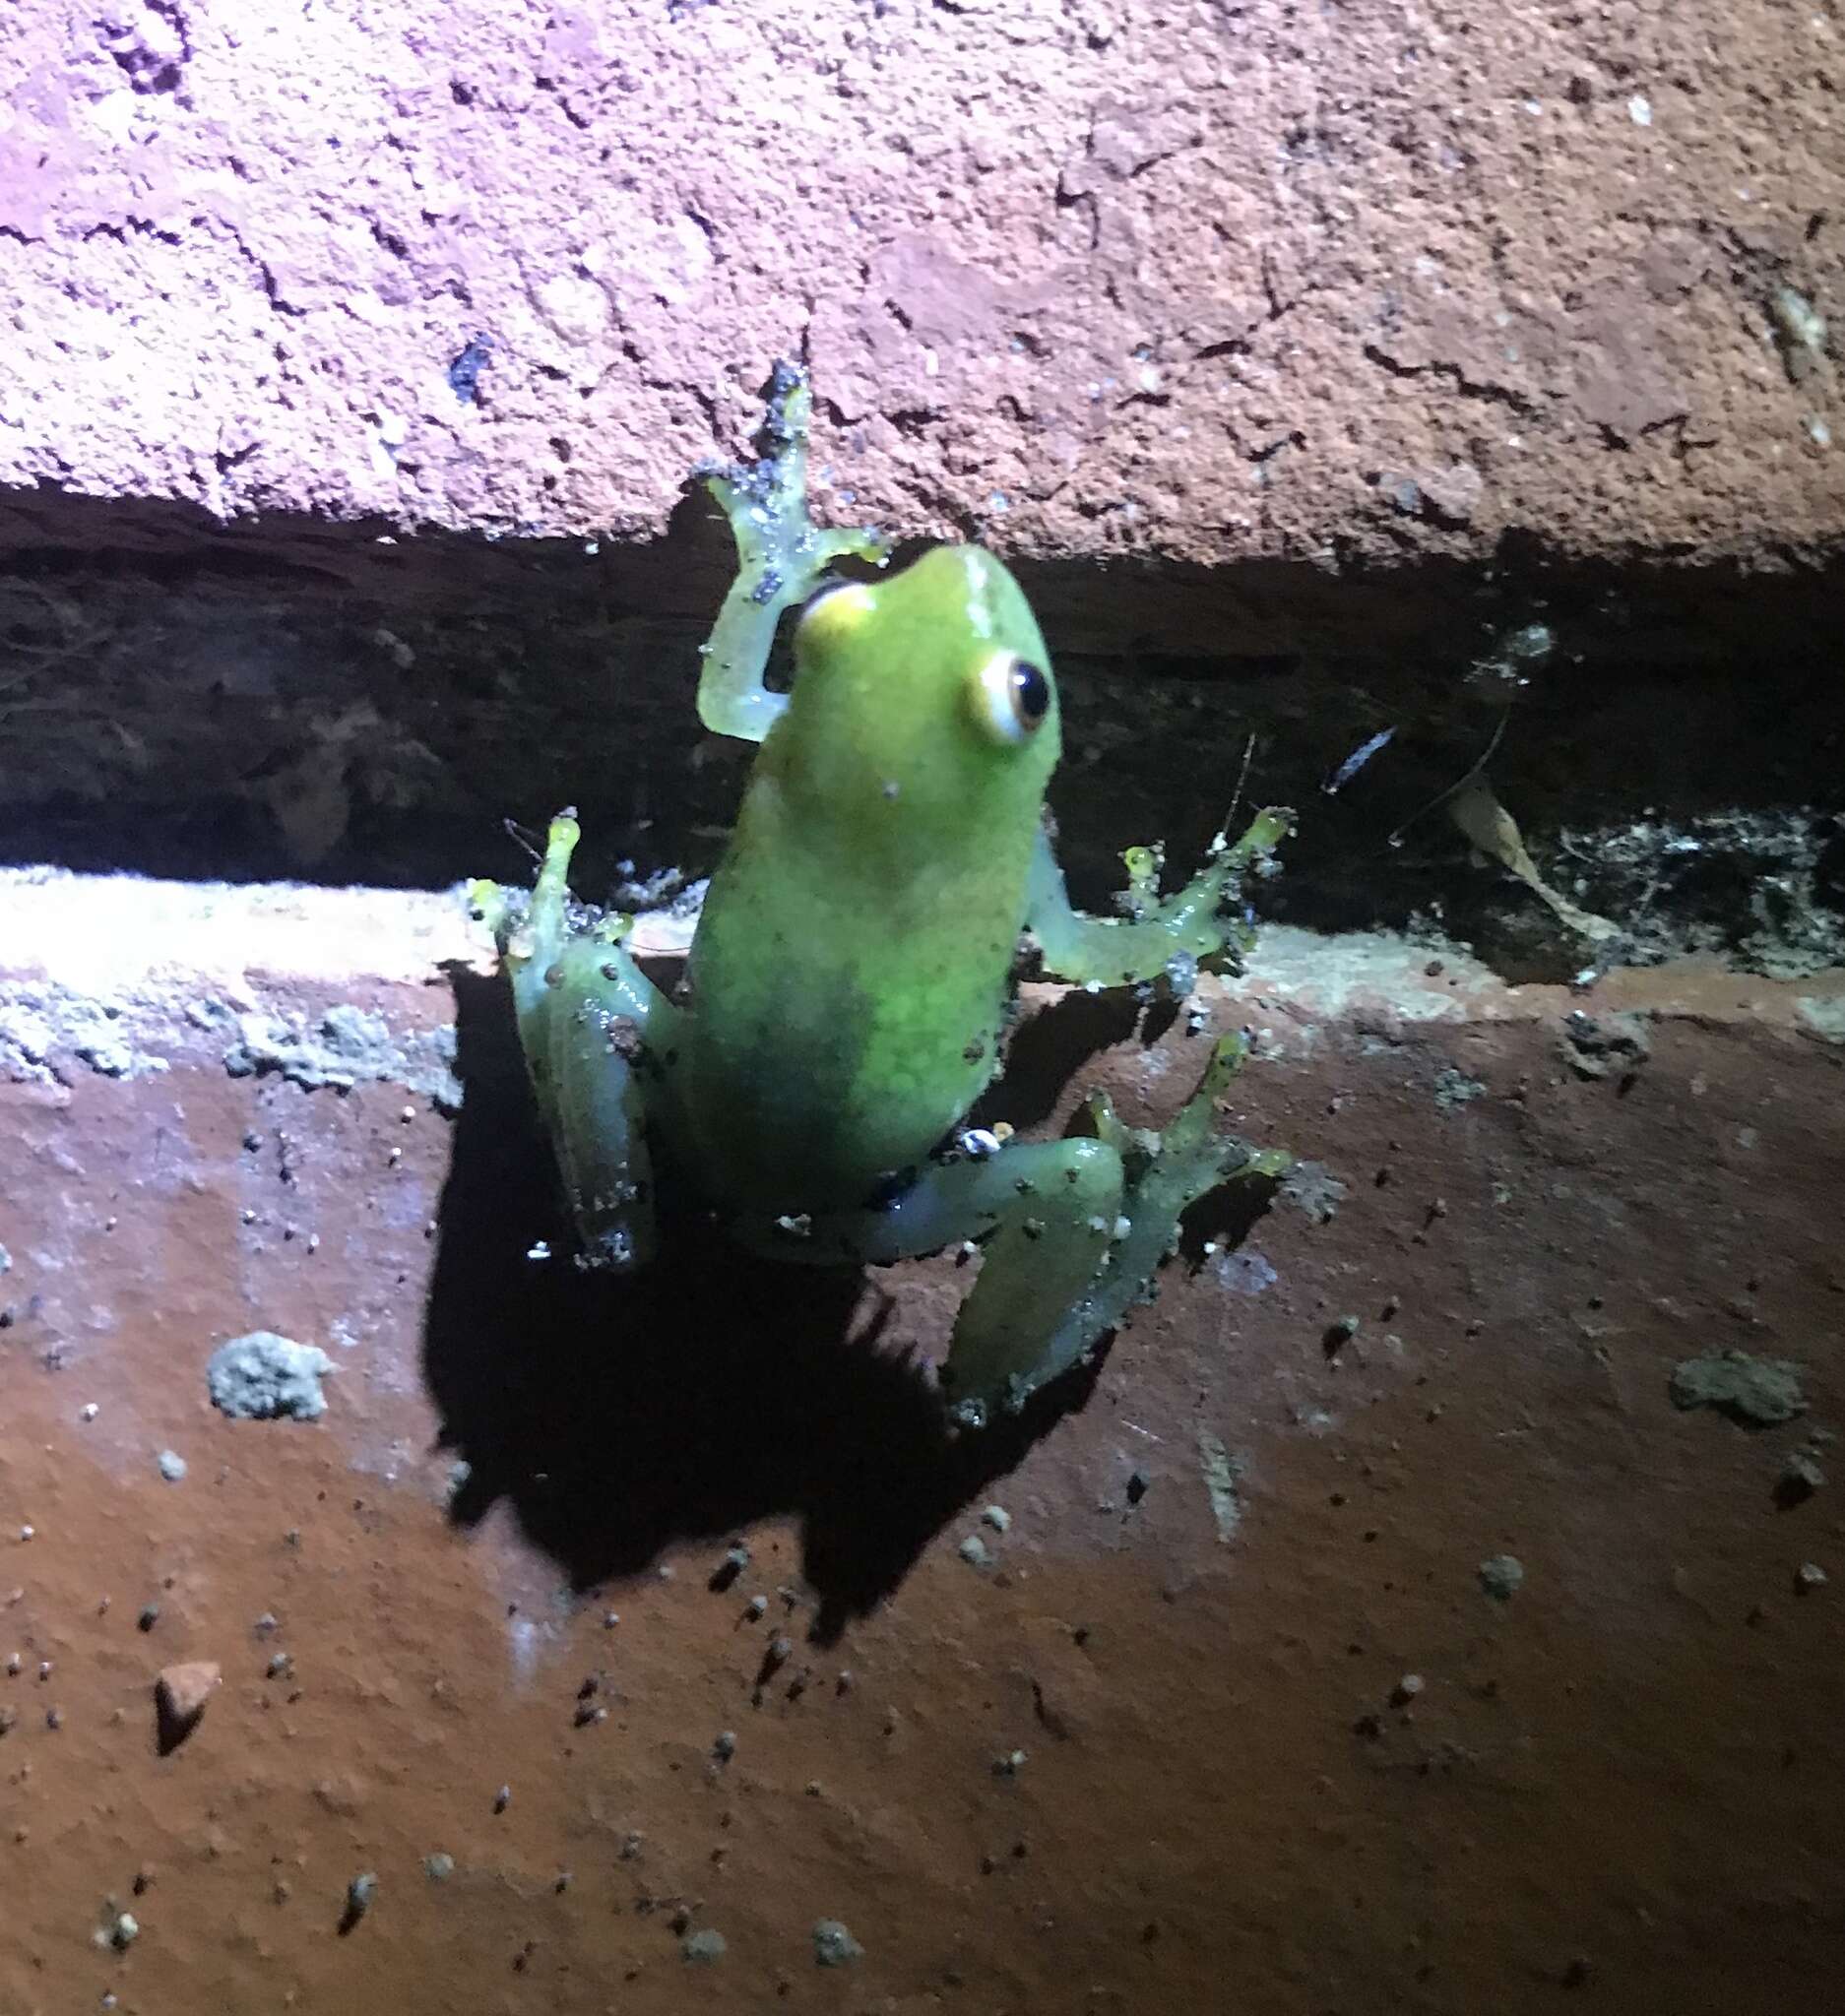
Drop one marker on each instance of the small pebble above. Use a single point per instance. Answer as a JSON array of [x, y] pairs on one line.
[[834, 1945], [1810, 1575], [360, 1894], [1800, 1477], [1501, 1576], [90, 1411], [148, 1618], [280, 1666], [125, 1930], [180, 1695], [439, 1867], [701, 1948], [1407, 1688], [724, 1748], [1138, 1484], [611, 1618], [997, 1517], [503, 1799], [172, 1465], [1009, 1765], [757, 1606], [975, 1551]]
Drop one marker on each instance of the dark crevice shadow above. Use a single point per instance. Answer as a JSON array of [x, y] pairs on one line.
[[621, 1417], [1049, 1047]]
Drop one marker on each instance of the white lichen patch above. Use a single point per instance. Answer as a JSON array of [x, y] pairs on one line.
[[1222, 1472]]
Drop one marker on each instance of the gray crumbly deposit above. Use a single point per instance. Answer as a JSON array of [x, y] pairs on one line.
[[1757, 1392], [261, 1376], [834, 1945], [1453, 1088], [45, 1029], [1335, 973], [703, 1947], [1605, 1045], [1824, 1014], [1501, 1576], [1312, 1187], [346, 1046]]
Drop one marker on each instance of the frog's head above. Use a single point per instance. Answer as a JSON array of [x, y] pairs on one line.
[[930, 691]]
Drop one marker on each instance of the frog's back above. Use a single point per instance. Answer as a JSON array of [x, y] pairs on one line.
[[850, 969]]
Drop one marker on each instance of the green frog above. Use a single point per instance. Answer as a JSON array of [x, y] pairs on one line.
[[852, 977]]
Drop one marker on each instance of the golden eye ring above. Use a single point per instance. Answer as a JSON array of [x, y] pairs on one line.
[[1010, 698]]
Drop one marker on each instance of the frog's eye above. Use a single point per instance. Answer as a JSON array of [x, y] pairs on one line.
[[1011, 697]]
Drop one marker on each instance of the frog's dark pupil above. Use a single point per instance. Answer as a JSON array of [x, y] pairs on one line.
[[1032, 691]]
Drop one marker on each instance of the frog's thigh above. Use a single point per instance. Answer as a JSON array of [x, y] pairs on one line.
[[586, 1075], [1049, 1211]]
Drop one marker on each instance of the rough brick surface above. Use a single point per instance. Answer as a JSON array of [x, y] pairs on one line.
[[1205, 280], [1198, 1624]]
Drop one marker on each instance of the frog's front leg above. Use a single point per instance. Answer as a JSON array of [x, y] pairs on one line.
[[590, 1025], [782, 556], [1154, 936]]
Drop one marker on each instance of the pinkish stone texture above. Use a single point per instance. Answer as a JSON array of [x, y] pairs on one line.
[[1205, 281]]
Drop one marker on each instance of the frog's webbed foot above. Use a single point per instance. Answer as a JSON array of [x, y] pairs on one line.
[[587, 1015], [1019, 1330], [1156, 936], [782, 556]]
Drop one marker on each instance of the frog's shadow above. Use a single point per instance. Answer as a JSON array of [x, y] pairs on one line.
[[709, 1390]]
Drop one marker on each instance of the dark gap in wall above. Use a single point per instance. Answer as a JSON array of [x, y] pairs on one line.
[[309, 701]]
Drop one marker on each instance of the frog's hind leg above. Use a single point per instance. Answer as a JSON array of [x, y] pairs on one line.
[[1044, 1214], [587, 1015], [1003, 1349]]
